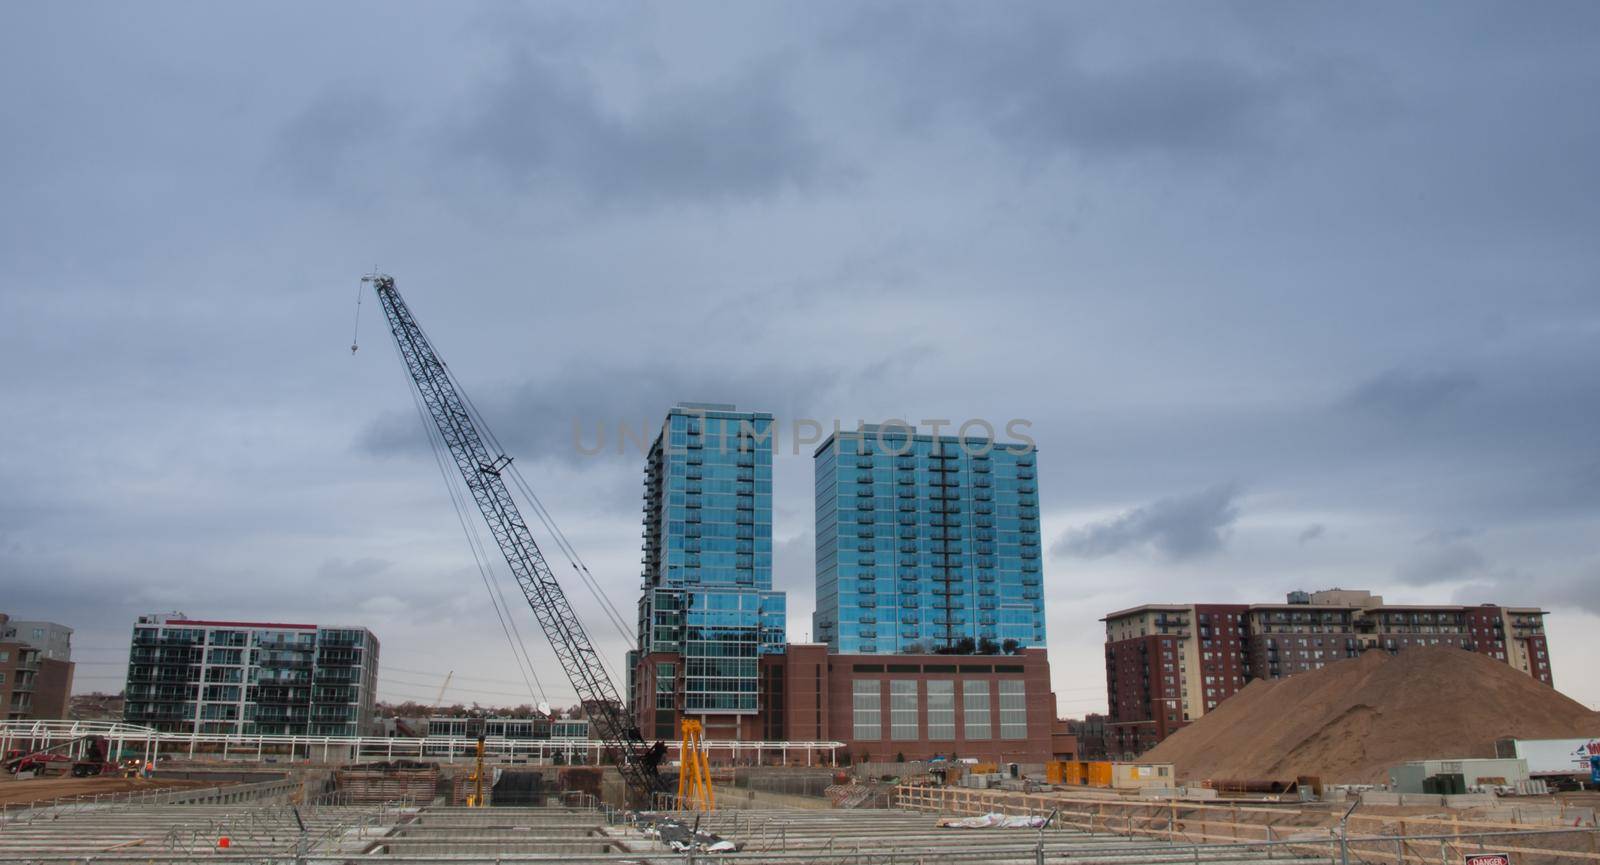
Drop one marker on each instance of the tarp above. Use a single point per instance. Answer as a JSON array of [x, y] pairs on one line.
[[992, 821]]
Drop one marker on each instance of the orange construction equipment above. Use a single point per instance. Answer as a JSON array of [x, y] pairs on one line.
[[694, 773], [1079, 773], [475, 797], [1097, 773]]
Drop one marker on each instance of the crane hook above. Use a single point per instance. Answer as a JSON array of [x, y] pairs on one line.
[[355, 337]]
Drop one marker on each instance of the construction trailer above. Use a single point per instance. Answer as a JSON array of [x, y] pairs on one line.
[[1456, 776], [1109, 775]]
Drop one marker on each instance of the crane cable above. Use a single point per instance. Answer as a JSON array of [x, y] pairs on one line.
[[560, 537], [491, 584], [539, 510], [355, 335], [554, 530], [584, 575], [502, 611]]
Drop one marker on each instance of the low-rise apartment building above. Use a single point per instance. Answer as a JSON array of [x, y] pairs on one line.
[[193, 675], [35, 670]]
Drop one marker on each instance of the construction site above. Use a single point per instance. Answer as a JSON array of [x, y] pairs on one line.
[[1426, 755], [244, 809]]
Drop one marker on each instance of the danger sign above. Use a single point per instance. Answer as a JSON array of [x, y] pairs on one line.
[[1488, 859]]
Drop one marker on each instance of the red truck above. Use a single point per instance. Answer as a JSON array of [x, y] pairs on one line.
[[57, 759]]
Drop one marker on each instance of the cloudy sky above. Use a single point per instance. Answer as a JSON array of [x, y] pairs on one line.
[[1293, 295]]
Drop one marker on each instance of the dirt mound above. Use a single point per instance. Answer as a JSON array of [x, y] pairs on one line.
[[1350, 721]]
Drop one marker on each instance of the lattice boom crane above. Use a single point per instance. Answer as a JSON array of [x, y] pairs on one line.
[[481, 470]]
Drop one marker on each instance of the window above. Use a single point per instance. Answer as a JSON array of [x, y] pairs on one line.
[[975, 706], [866, 704], [1013, 710], [942, 710], [903, 709]]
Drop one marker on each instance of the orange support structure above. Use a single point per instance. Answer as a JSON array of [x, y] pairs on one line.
[[694, 772]]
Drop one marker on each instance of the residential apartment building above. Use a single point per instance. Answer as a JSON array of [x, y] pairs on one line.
[[250, 677], [533, 728], [924, 542], [1168, 664], [52, 640], [493, 727], [35, 670], [708, 611], [1090, 732]]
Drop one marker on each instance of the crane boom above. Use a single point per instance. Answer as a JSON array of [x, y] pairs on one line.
[[481, 470]]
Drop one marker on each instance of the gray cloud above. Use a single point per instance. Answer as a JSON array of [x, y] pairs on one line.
[[342, 569], [1577, 589], [1036, 80], [1178, 527], [602, 413], [1404, 393], [325, 148], [1186, 245], [1448, 562], [1311, 533], [545, 126]]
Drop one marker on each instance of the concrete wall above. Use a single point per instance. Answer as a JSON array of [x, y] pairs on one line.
[[738, 798]]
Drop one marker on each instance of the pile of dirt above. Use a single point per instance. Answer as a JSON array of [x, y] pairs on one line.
[[1349, 722]]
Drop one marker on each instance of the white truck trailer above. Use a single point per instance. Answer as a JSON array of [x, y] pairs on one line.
[[1558, 761]]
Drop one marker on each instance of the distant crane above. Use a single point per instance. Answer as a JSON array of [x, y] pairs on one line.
[[439, 699], [468, 440]]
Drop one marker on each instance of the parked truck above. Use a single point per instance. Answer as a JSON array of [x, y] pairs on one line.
[[1559, 762], [91, 759]]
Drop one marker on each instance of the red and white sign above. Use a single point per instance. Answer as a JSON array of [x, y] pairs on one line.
[[1488, 859]]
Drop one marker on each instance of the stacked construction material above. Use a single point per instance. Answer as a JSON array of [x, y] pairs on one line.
[[387, 781]]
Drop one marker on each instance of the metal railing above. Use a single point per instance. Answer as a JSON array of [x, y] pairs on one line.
[[1186, 825], [155, 743]]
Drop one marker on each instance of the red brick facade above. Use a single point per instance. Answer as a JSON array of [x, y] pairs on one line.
[[32, 687], [1144, 691], [808, 695], [1169, 664]]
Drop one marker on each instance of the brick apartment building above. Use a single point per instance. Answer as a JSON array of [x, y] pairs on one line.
[[1090, 733], [993, 707], [35, 670], [1168, 664]]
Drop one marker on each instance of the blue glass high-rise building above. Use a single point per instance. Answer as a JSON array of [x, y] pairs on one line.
[[708, 609], [924, 541]]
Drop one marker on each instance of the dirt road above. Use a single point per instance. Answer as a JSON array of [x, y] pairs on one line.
[[13, 791]]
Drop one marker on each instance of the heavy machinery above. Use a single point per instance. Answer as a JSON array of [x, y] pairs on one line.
[[92, 759], [475, 797], [484, 471]]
